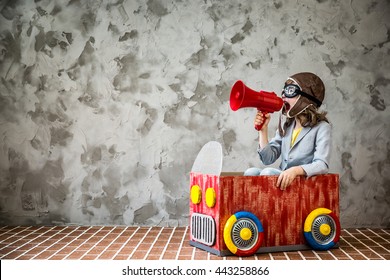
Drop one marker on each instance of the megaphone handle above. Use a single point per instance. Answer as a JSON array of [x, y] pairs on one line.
[[259, 126]]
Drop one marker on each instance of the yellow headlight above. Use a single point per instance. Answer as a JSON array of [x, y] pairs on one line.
[[196, 194], [210, 197]]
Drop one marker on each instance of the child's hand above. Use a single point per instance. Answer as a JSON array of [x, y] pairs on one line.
[[287, 176], [259, 119]]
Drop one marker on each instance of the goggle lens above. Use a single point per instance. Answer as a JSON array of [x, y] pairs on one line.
[[290, 91]]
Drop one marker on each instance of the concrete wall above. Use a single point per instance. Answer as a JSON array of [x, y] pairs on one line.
[[104, 105]]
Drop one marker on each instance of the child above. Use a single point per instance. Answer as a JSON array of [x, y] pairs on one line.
[[304, 141]]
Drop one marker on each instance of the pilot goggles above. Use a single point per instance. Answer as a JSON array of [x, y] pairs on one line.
[[292, 90]]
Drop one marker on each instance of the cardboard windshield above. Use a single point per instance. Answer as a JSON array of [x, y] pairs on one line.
[[209, 159]]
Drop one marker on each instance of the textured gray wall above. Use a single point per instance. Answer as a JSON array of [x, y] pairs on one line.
[[104, 105]]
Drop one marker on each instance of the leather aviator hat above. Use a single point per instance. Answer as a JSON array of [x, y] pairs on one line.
[[311, 92]]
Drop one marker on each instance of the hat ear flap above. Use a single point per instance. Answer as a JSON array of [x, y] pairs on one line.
[[301, 104]]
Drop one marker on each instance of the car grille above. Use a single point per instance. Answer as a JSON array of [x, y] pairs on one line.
[[203, 229]]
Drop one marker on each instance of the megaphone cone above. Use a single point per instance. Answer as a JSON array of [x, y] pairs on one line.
[[242, 96], [237, 95]]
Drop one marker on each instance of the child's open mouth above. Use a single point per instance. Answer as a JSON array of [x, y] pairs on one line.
[[286, 106]]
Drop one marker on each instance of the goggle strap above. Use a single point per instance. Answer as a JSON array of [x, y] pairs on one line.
[[308, 96], [312, 98]]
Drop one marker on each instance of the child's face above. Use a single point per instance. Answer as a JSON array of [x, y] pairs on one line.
[[289, 102]]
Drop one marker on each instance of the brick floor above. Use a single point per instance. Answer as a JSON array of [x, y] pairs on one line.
[[161, 243]]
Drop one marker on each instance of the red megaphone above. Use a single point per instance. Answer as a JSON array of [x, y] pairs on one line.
[[241, 97]]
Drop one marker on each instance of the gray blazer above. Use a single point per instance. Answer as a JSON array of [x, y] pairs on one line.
[[311, 149]]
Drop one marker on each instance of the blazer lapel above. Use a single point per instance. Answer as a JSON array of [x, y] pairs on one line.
[[287, 143], [304, 131]]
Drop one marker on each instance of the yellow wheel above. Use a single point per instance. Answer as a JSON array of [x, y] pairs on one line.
[[243, 234], [322, 229]]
